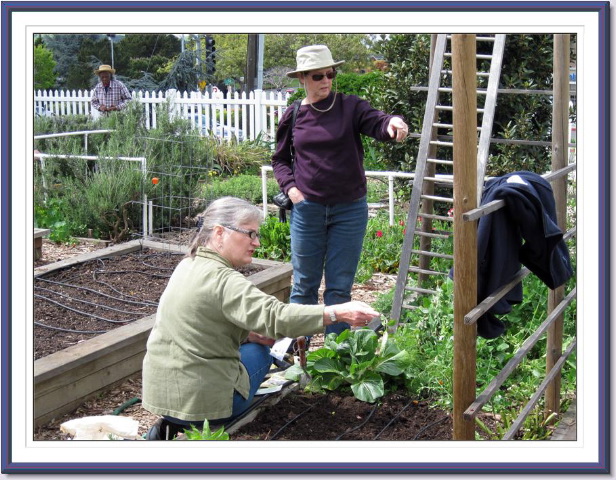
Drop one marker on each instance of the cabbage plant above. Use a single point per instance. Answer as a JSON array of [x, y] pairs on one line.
[[355, 358]]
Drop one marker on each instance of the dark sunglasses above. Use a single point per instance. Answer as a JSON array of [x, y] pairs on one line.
[[251, 233], [317, 77]]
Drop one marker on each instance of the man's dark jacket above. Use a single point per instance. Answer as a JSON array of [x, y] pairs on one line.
[[524, 231]]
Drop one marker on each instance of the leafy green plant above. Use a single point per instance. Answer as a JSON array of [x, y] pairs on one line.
[[206, 433], [355, 358], [52, 215], [535, 427], [275, 240]]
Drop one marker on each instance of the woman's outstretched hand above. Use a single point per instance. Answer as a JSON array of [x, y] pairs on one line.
[[397, 129], [356, 314]]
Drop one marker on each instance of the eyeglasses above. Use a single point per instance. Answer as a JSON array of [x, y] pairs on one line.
[[317, 77], [251, 233]]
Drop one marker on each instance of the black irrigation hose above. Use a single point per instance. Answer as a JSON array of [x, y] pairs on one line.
[[433, 424], [61, 305], [97, 332], [110, 272], [376, 405], [86, 289], [88, 303], [293, 419], [393, 420]]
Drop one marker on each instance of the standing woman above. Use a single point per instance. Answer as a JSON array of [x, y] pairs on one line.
[[209, 349], [327, 182]]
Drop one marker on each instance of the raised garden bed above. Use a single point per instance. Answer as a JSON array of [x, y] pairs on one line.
[[63, 380]]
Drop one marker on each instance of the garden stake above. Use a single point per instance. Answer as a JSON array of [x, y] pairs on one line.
[[305, 378]]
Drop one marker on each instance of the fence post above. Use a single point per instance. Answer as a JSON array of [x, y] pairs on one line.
[[464, 65], [560, 121]]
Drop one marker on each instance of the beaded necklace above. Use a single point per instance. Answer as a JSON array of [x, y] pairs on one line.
[[328, 108]]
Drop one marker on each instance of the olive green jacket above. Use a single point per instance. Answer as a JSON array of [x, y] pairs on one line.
[[192, 363]]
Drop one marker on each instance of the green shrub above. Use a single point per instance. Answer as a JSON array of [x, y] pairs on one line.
[[381, 248], [247, 187]]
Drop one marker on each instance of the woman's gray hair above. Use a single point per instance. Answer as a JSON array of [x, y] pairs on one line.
[[223, 211]]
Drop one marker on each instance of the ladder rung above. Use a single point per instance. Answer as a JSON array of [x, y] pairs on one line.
[[410, 307], [441, 143], [448, 181], [437, 199], [485, 57], [446, 108], [427, 272], [432, 216], [485, 39], [432, 254], [479, 74], [441, 162], [419, 290], [419, 233], [443, 125]]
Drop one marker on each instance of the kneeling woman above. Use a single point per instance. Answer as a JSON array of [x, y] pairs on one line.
[[208, 351]]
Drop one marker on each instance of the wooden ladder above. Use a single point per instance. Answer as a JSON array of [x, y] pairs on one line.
[[434, 169]]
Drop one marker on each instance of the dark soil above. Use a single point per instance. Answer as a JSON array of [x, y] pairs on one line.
[[306, 416], [79, 302]]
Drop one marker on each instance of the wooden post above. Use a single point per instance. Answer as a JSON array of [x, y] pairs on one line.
[[465, 233], [560, 124]]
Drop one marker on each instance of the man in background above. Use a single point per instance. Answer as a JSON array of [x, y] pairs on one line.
[[109, 94]]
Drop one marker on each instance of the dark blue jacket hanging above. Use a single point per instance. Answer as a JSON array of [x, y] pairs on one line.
[[524, 231]]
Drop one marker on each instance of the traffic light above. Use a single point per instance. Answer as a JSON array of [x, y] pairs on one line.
[[210, 55]]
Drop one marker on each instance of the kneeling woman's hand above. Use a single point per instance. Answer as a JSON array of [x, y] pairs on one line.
[[356, 314]]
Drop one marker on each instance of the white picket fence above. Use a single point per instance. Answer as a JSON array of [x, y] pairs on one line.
[[242, 115]]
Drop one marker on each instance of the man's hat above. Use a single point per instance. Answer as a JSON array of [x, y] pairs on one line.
[[105, 68], [313, 57]]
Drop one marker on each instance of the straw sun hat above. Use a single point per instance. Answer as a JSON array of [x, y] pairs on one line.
[[105, 68], [313, 57]]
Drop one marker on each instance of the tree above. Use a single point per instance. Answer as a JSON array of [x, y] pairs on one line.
[[66, 49], [44, 64], [354, 49], [183, 74], [137, 54], [276, 77]]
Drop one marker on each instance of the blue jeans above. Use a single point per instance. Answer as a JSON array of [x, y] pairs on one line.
[[326, 239], [257, 360]]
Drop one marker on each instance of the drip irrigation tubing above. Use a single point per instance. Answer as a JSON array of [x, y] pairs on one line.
[[393, 419], [296, 417], [80, 312], [97, 332], [427, 427], [376, 405], [86, 289], [88, 303], [110, 272]]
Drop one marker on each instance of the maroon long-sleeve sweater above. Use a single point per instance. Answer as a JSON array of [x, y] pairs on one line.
[[329, 154]]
